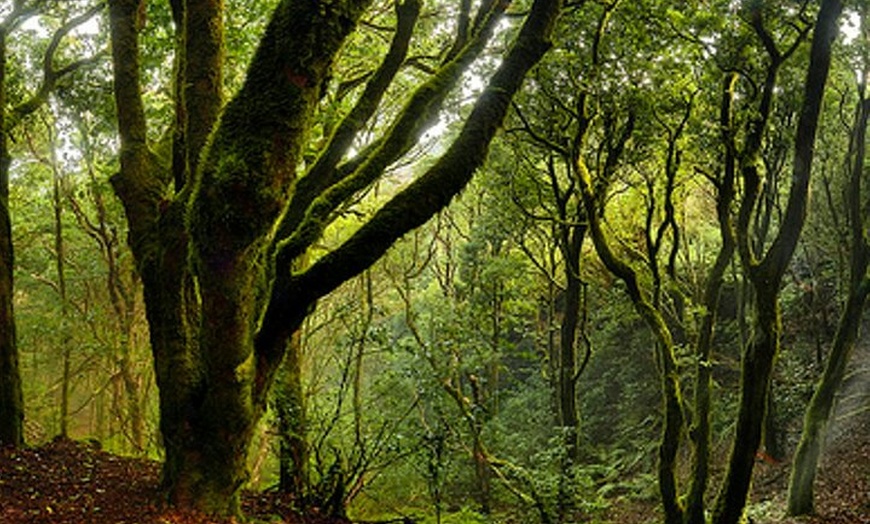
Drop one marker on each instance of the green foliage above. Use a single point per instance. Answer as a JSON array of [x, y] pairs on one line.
[[447, 345]]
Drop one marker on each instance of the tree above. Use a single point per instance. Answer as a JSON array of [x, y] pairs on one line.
[[765, 270], [600, 126], [12, 113], [551, 123], [216, 235], [818, 413]]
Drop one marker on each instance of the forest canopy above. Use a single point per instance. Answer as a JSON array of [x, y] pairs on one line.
[[539, 261]]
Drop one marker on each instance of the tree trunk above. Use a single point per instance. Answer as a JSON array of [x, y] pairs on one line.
[[11, 399], [290, 407], [755, 375], [483, 488], [60, 267], [568, 343], [766, 275], [806, 458], [700, 432], [215, 360], [672, 408]]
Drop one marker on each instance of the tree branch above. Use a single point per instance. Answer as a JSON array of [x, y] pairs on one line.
[[51, 75], [292, 295], [324, 172], [777, 258], [419, 113]]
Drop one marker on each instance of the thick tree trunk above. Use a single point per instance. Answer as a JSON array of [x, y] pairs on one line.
[[213, 367]]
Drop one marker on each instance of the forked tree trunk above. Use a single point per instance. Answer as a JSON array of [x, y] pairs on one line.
[[215, 359], [700, 433], [766, 275]]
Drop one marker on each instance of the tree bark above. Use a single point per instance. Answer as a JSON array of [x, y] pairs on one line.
[[290, 408], [755, 375], [571, 244]]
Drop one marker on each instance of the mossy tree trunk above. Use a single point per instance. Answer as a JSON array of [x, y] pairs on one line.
[[216, 236], [290, 409], [700, 432], [665, 352], [570, 244], [756, 370], [806, 458], [646, 302], [765, 273]]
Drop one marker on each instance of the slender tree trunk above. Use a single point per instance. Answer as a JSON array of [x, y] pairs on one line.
[[482, 475], [568, 419], [568, 344], [700, 433], [11, 398], [806, 458], [134, 419], [292, 428], [671, 397], [65, 339], [766, 276]]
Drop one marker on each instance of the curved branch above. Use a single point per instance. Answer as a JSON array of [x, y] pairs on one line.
[[324, 172], [293, 295], [51, 75], [414, 119]]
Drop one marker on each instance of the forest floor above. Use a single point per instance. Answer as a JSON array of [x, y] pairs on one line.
[[842, 486], [72, 482], [68, 482]]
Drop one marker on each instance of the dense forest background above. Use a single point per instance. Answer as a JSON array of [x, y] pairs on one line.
[[520, 357]]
